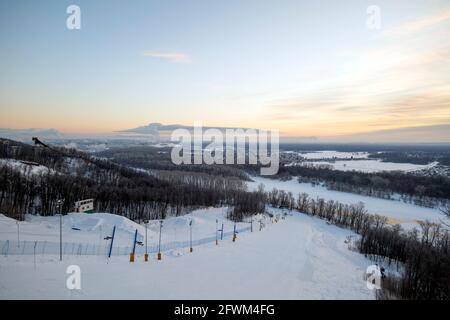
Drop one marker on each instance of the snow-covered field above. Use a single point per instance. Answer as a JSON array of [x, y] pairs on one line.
[[404, 213], [370, 165], [297, 258], [334, 155], [353, 161]]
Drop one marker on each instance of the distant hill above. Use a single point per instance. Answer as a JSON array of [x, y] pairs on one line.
[[25, 135]]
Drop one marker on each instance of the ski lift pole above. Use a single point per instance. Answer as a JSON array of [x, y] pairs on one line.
[[159, 243], [134, 247], [112, 241], [221, 233], [190, 237], [234, 232], [251, 224]]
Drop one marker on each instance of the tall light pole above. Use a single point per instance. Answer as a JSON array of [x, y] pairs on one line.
[[190, 236], [18, 234], [217, 240], [59, 204], [159, 244], [146, 248]]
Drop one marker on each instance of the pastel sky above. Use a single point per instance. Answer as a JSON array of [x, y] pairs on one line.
[[303, 67]]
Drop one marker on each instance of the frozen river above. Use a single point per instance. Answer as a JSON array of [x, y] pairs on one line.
[[404, 213]]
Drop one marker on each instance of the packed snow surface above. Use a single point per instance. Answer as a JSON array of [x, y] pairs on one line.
[[93, 228], [299, 257]]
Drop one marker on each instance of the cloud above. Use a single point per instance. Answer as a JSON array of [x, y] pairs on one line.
[[177, 57], [395, 82], [419, 24], [421, 134]]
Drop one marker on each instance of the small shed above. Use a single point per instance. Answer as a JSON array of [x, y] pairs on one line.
[[86, 206]]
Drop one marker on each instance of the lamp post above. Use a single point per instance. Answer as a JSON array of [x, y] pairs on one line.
[[159, 244], [60, 204], [18, 234], [190, 236], [146, 248], [217, 240]]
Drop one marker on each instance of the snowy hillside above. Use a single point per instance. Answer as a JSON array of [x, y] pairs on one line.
[[303, 258], [24, 168], [92, 229]]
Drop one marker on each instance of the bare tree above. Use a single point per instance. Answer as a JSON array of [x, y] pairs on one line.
[[445, 209]]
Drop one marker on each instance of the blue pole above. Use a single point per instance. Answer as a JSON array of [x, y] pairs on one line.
[[112, 241], [134, 242]]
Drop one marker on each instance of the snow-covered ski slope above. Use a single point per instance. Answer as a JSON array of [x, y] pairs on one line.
[[90, 234], [297, 258], [93, 228]]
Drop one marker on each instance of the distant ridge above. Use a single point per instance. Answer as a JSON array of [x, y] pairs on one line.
[[154, 128], [25, 135]]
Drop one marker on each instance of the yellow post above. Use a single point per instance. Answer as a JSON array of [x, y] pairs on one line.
[[131, 257], [159, 256], [234, 237], [146, 257]]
